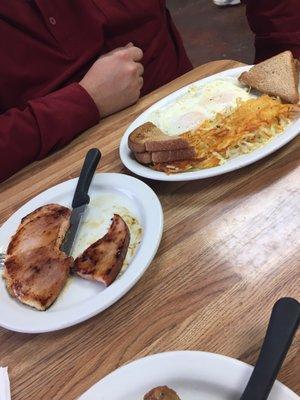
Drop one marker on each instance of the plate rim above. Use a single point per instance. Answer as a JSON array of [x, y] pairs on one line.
[[122, 287], [216, 357], [146, 172]]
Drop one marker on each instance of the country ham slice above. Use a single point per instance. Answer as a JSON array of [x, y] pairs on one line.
[[35, 270], [103, 260]]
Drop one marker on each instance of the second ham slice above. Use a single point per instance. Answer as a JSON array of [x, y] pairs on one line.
[[103, 260]]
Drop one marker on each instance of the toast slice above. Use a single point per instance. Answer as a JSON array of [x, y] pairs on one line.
[[150, 145], [165, 156], [148, 137], [143, 158], [277, 76]]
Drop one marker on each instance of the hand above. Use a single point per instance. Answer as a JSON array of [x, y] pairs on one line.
[[115, 80]]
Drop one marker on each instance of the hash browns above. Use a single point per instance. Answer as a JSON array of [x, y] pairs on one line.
[[238, 131]]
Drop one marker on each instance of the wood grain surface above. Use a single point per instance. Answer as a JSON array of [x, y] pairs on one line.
[[230, 249]]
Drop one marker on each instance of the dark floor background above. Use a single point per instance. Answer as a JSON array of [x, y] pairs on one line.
[[210, 32]]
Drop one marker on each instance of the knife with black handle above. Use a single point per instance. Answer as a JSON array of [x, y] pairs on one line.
[[81, 198], [283, 325]]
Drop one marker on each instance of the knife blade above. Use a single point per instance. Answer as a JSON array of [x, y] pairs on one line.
[[81, 198]]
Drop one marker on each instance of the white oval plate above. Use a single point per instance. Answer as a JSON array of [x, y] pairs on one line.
[[194, 375], [82, 299], [235, 163]]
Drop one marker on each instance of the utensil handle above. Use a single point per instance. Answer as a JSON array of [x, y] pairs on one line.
[[91, 161], [282, 327]]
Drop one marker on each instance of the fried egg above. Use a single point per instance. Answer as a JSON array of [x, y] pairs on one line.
[[198, 104]]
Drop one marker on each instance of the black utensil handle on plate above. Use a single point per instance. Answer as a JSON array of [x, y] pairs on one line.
[[282, 327], [91, 161]]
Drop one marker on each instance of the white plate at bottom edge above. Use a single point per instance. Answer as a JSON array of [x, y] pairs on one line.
[[195, 375], [82, 299]]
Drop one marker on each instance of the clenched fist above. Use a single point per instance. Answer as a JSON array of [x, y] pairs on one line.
[[115, 80]]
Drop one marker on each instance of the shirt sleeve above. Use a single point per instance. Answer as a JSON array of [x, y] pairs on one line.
[[44, 125], [276, 25]]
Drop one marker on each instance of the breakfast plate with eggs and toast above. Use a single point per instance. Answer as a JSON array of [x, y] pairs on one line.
[[218, 124]]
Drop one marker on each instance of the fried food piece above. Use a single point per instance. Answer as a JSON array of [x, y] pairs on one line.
[[103, 260], [46, 226], [37, 277], [161, 393]]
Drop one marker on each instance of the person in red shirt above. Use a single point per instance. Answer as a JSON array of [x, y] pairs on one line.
[[276, 25], [67, 63]]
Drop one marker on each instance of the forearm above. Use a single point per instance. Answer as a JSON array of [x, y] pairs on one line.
[[46, 124]]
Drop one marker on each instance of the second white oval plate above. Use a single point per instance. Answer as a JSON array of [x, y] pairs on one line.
[[233, 164], [194, 375], [82, 299]]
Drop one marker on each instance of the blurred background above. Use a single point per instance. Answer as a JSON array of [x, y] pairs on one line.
[[212, 33]]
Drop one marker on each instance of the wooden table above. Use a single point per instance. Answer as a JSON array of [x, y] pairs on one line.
[[228, 252]]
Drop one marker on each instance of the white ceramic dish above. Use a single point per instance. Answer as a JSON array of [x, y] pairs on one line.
[[194, 375], [129, 161], [82, 299]]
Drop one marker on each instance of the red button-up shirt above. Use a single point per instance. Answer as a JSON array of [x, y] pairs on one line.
[[47, 46], [276, 24]]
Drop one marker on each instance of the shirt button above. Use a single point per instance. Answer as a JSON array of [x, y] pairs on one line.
[[52, 20]]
